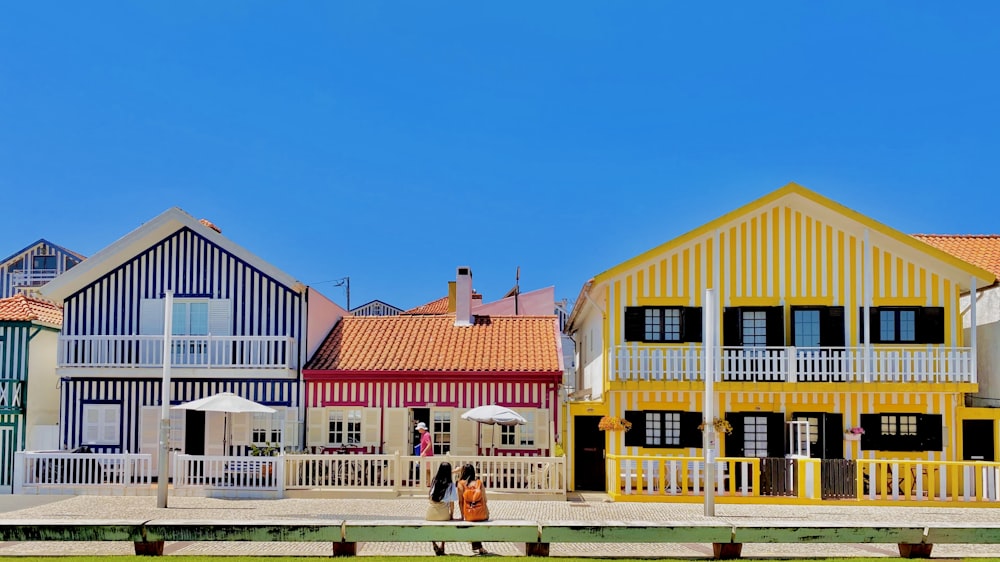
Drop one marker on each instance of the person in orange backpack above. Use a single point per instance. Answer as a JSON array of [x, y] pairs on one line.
[[472, 501]]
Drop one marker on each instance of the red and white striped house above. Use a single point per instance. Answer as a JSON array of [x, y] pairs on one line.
[[374, 378]]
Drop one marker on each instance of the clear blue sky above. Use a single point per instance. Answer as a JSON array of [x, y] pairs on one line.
[[392, 142]]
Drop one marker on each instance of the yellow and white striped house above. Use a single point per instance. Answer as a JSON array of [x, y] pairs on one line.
[[819, 314]]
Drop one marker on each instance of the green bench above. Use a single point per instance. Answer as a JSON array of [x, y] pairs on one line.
[[148, 537]]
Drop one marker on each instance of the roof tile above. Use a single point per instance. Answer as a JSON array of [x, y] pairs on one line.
[[981, 250], [21, 308], [435, 343]]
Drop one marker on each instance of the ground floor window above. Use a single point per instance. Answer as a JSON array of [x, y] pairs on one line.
[[441, 430], [755, 436], [344, 427], [266, 429], [101, 424]]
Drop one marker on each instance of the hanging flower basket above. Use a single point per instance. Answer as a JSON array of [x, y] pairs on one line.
[[614, 423], [854, 434], [720, 425]]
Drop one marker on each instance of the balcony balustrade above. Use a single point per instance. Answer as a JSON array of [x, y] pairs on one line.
[[224, 352], [879, 363], [34, 278]]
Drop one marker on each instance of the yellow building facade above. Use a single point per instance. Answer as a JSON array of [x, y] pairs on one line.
[[820, 315]]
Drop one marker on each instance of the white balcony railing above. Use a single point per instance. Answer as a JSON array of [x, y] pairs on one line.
[[685, 362], [224, 352], [34, 278]]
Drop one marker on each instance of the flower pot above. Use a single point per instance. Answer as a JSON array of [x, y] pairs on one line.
[[852, 437]]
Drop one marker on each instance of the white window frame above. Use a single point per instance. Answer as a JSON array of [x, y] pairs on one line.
[[519, 436], [346, 417], [105, 429], [271, 426]]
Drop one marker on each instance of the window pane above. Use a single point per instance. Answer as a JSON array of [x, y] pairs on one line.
[[907, 325], [806, 328], [441, 431], [887, 323], [198, 323], [43, 262], [652, 323], [672, 428], [754, 328], [671, 324], [526, 432], [755, 436], [888, 425], [654, 431], [907, 425]]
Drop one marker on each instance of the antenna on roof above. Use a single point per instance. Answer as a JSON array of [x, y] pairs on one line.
[[517, 288]]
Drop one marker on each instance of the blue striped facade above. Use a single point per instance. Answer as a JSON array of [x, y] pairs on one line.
[[192, 266], [14, 340], [26, 256], [133, 394]]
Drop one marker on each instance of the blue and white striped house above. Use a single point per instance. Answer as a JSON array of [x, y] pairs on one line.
[[238, 325], [33, 266]]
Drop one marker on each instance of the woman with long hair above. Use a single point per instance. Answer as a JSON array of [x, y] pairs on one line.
[[442, 503], [468, 480]]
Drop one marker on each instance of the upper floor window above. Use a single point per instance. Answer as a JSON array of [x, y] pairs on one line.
[[18, 265], [753, 326], [817, 326], [669, 324], [190, 318], [912, 324], [43, 262]]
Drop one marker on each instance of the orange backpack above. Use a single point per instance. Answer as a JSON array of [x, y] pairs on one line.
[[474, 502]]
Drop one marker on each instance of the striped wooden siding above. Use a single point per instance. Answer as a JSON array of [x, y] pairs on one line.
[[43, 249], [779, 254], [376, 309], [816, 400], [405, 394], [14, 351], [190, 265], [133, 394]]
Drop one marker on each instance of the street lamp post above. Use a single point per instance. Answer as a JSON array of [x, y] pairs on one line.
[[710, 435], [163, 465]]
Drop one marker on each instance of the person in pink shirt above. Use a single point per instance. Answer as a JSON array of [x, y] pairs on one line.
[[426, 446]]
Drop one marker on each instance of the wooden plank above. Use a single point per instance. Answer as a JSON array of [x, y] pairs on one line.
[[827, 534], [264, 531], [634, 532], [422, 531], [965, 534], [75, 530]]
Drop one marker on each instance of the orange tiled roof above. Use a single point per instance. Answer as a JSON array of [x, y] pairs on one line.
[[21, 308], [440, 306], [434, 343], [982, 250]]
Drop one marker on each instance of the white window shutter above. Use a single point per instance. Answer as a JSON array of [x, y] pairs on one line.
[[317, 425], [290, 429], [220, 317], [240, 424], [542, 428], [464, 434], [397, 431], [487, 438], [110, 425], [151, 317], [369, 428]]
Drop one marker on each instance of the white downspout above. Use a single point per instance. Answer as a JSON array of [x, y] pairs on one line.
[[866, 296], [973, 295]]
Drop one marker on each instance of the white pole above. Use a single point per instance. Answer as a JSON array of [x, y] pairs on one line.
[[163, 470], [708, 448]]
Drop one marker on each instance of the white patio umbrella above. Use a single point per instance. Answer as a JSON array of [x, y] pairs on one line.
[[491, 414], [228, 403]]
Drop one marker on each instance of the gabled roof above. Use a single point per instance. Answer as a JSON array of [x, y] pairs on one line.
[[144, 237], [501, 344], [981, 250], [21, 308], [376, 301], [37, 242], [439, 306]]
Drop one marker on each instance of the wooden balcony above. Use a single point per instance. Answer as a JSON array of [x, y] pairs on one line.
[[879, 363], [205, 352], [12, 396]]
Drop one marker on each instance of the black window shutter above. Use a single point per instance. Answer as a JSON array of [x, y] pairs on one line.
[[930, 325], [775, 326], [776, 435], [691, 324], [734, 441], [691, 436], [873, 313], [872, 437], [732, 335], [635, 323], [831, 326], [636, 437], [930, 431]]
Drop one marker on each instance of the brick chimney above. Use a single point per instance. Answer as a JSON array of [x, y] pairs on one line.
[[463, 297]]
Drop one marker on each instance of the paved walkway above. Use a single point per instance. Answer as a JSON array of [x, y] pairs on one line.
[[580, 507]]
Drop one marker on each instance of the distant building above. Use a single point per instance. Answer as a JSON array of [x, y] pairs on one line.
[[376, 308], [33, 266]]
